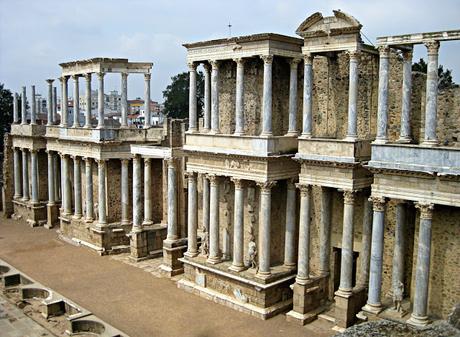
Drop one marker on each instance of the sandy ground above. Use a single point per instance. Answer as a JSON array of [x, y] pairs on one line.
[[127, 297]]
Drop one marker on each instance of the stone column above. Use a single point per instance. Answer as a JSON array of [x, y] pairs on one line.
[[23, 106], [192, 100], [51, 179], [25, 175], [54, 104], [172, 201], [89, 190], [137, 198], [33, 107], [34, 175], [325, 231], [215, 128], [125, 191], [292, 131], [431, 106], [399, 245], [100, 101], [206, 203], [124, 100], [352, 133], [67, 188], [101, 164], [239, 104], [192, 247], [265, 228], [15, 109], [303, 267], [289, 237], [419, 316], [238, 227], [17, 174], [77, 187], [64, 99], [57, 184], [365, 254], [267, 96], [49, 102], [307, 115], [346, 263], [88, 101], [147, 115], [147, 192], [76, 102], [374, 304], [382, 109], [405, 135], [207, 97], [214, 251]]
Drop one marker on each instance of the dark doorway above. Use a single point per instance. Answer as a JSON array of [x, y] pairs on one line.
[[337, 256]]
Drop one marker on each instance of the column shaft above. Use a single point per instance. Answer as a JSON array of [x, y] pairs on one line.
[[137, 198], [76, 102], [54, 105], [399, 245], [17, 174], [207, 98], [382, 109], [192, 216], [365, 254], [147, 192], [215, 128], [23, 106], [57, 184], [239, 103], [77, 187], [89, 190], [15, 109], [293, 97], [307, 114], [25, 175], [51, 178], [124, 100], [431, 106], [405, 133], [214, 251], [353, 97], [325, 231], [346, 263], [267, 96], [100, 101], [238, 227], [147, 114], [88, 100], [289, 238], [34, 175], [101, 164], [49, 102], [33, 107], [303, 267], [125, 191], [64, 99], [206, 203], [265, 228], [172, 201], [192, 99], [67, 188]]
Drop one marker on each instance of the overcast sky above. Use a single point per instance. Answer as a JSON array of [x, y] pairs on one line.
[[37, 35]]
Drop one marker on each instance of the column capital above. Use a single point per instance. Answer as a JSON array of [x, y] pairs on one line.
[[349, 197], [426, 210], [214, 64], [239, 61], [308, 58], [125, 161], [75, 77], [190, 175], [239, 183], [207, 66], [101, 161], [62, 155], [87, 76], [378, 203], [294, 62], [268, 59], [50, 81], [213, 179], [124, 74], [62, 79], [266, 186], [171, 162], [304, 189], [432, 46], [100, 75], [384, 51], [191, 66], [147, 76], [33, 150], [87, 160], [407, 55], [147, 161], [291, 183], [74, 157], [353, 54]]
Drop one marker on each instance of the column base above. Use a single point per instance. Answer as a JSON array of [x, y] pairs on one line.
[[418, 321], [404, 140], [304, 135], [347, 305], [292, 134], [351, 138], [173, 250], [266, 134], [147, 223], [214, 260], [430, 142], [237, 268], [191, 254], [89, 220], [263, 274], [373, 309], [380, 141]]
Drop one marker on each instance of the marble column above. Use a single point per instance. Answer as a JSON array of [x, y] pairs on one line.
[[51, 178], [102, 201], [239, 101], [49, 102], [325, 231], [431, 106], [25, 175], [307, 114], [399, 245], [89, 190], [23, 106], [238, 227], [77, 187], [76, 101], [374, 305], [124, 100], [207, 98], [147, 114], [303, 265], [215, 128], [366, 240], [192, 100], [289, 236], [17, 173], [265, 228], [352, 132], [33, 107], [382, 108], [88, 100], [15, 109], [64, 99], [192, 215], [54, 105], [137, 198], [292, 130], [67, 188], [172, 201], [346, 263], [57, 184], [214, 251], [125, 191], [206, 203], [419, 316], [148, 192], [100, 101], [267, 96], [34, 176], [405, 135]]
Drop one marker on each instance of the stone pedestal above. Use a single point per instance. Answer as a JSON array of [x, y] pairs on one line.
[[138, 245], [173, 250], [52, 212], [347, 306], [33, 214]]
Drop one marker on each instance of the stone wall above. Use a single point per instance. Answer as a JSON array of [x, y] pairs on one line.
[[7, 176]]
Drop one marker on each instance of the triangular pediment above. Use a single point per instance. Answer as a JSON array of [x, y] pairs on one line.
[[317, 24]]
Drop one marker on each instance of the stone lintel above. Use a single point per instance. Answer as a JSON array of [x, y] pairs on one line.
[[419, 38]]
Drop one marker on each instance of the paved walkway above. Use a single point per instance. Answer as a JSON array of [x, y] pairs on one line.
[[127, 297]]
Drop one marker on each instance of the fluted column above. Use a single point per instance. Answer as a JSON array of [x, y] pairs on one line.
[[88, 100], [352, 131], [267, 96], [89, 190], [419, 314], [265, 228], [215, 97], [23, 106], [405, 135], [325, 231], [76, 101], [49, 102], [124, 100], [192, 219], [64, 99], [207, 98], [303, 266], [51, 177], [77, 187], [15, 109], [366, 240], [147, 192], [172, 201], [147, 115], [238, 227], [67, 188], [289, 236], [206, 203], [100, 101], [239, 101], [382, 108], [399, 245], [374, 304], [34, 175], [33, 107], [431, 106], [125, 191], [214, 251], [192, 99], [292, 131], [17, 173], [137, 198], [25, 175], [307, 114], [101, 165]]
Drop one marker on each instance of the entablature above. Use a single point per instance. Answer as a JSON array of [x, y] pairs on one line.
[[104, 65]]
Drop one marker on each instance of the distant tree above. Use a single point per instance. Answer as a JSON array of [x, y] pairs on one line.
[[176, 95], [444, 76], [6, 112]]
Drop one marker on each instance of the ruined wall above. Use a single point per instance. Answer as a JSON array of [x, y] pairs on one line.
[[42, 176], [7, 176], [113, 188], [157, 190]]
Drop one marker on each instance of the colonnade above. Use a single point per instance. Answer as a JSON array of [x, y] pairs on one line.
[[25, 166], [20, 112]]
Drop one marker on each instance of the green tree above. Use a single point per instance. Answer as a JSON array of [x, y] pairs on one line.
[[176, 95], [444, 76], [6, 112]]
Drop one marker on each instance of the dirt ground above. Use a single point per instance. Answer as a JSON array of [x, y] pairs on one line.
[[127, 297]]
